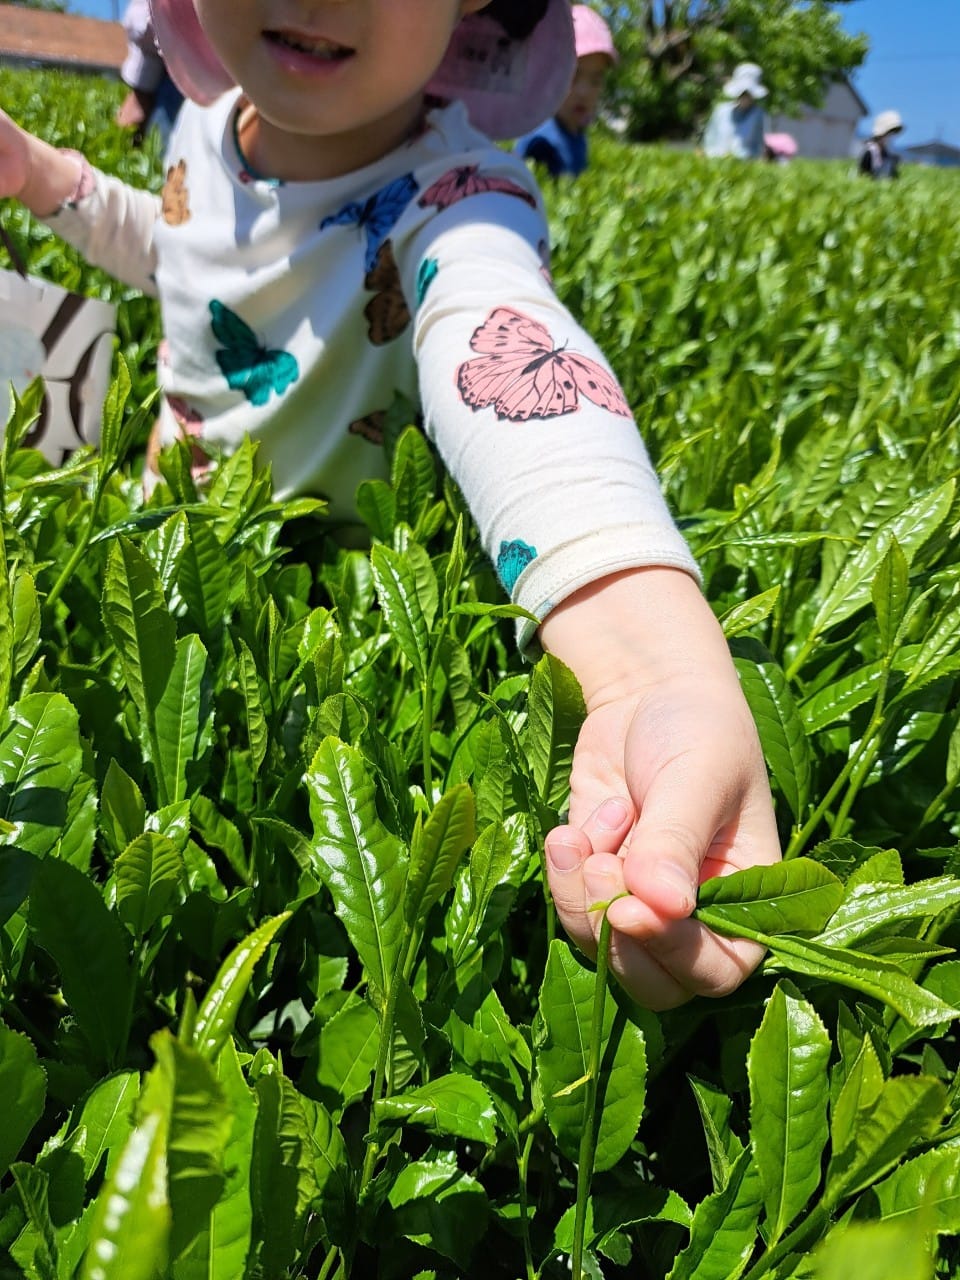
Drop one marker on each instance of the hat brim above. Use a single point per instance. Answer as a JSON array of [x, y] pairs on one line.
[[508, 86], [193, 66], [734, 88]]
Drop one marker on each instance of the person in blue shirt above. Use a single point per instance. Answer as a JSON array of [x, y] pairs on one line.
[[560, 143]]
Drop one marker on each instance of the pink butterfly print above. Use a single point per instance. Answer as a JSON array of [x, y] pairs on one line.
[[523, 375], [468, 181]]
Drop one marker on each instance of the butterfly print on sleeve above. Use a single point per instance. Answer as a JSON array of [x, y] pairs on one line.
[[426, 274], [522, 375], [387, 312], [512, 559], [377, 215], [247, 365], [467, 180]]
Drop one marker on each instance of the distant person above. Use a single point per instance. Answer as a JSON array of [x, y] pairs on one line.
[[878, 159], [735, 127], [153, 100], [778, 148], [560, 144]]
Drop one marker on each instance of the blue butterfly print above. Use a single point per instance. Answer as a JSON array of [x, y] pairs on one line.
[[376, 215], [247, 365], [512, 560], [426, 275]]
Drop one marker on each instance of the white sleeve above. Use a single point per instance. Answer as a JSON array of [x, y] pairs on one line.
[[527, 415], [112, 226]]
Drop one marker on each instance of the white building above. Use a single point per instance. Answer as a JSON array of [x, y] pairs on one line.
[[828, 132]]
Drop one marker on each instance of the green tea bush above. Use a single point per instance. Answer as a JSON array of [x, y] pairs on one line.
[[280, 991]]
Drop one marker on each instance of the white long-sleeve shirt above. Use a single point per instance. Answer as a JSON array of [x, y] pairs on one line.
[[295, 312]]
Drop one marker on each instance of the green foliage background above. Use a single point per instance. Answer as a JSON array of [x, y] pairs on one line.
[[280, 992]]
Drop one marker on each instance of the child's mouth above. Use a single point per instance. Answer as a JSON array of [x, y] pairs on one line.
[[325, 50]]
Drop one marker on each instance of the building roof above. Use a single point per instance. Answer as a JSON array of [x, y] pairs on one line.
[[65, 40], [848, 84], [935, 150]]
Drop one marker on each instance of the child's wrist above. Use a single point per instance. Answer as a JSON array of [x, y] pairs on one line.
[[54, 178], [633, 629]]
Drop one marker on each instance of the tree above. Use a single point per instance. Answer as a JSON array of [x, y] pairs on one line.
[[677, 53]]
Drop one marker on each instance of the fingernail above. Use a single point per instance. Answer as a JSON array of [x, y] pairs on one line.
[[563, 857], [611, 815], [676, 876]]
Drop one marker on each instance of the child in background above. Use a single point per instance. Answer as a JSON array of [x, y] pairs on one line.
[[153, 100], [735, 127], [337, 228], [560, 143], [878, 158]]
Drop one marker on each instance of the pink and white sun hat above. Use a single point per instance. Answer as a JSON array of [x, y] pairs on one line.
[[508, 86], [591, 34]]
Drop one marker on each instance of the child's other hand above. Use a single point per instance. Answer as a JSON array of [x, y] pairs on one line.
[[38, 175], [668, 786], [14, 158]]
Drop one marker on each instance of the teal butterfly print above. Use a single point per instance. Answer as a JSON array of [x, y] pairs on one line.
[[425, 277], [247, 365], [513, 559]]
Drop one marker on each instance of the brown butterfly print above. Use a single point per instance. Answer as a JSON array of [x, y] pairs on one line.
[[387, 311]]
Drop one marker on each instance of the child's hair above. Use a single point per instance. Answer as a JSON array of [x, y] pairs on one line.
[[517, 17]]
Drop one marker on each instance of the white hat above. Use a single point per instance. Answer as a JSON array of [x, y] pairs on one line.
[[746, 78], [887, 122]]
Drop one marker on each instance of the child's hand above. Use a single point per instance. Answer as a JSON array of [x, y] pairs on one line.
[[31, 171], [668, 786], [14, 158]]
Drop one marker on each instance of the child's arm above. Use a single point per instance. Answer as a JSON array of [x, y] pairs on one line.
[[31, 171], [668, 785], [109, 222]]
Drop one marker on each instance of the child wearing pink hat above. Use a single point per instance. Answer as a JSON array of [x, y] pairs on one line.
[[337, 227], [560, 143]]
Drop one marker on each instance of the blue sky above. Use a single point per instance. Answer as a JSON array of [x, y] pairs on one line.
[[913, 65]]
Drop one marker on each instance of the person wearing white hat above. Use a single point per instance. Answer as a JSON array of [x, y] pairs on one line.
[[878, 159], [735, 127], [560, 143]]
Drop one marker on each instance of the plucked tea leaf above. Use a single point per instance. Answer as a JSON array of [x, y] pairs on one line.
[[796, 896]]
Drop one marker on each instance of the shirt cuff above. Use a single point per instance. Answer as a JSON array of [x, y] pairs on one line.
[[550, 579]]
